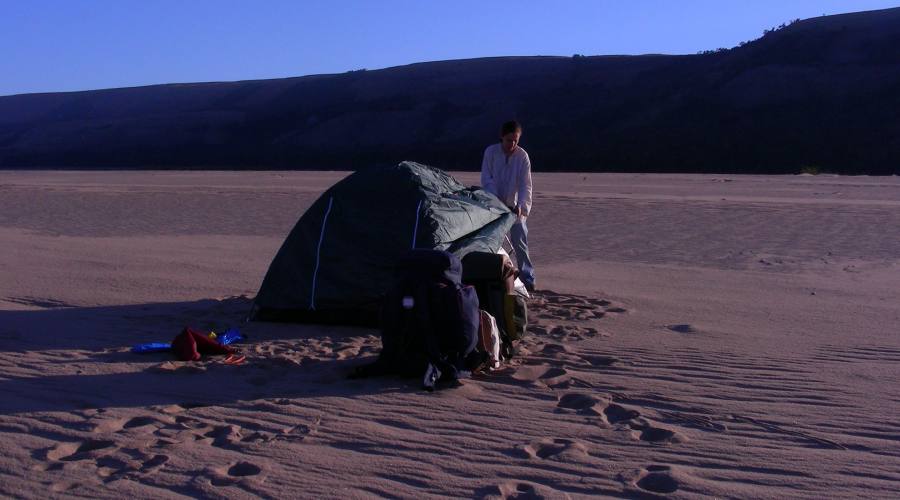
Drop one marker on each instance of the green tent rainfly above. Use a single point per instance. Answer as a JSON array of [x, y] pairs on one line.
[[339, 259]]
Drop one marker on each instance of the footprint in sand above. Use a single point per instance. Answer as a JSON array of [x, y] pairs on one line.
[[547, 448], [225, 436], [299, 432], [91, 448], [644, 430], [108, 425], [137, 422], [569, 333], [542, 374], [600, 361], [110, 467], [554, 349], [615, 414], [552, 305], [153, 464], [559, 355], [48, 467], [108, 461], [190, 423], [64, 486], [244, 469], [235, 472], [681, 328], [167, 441], [258, 437], [655, 479], [182, 429], [520, 491], [586, 404], [120, 424], [129, 464]]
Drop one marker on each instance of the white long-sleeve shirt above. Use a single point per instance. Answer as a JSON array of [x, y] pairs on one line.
[[508, 177]]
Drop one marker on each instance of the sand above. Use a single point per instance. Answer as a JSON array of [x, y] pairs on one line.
[[728, 336]]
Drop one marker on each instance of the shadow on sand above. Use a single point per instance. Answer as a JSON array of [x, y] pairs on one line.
[[71, 358]]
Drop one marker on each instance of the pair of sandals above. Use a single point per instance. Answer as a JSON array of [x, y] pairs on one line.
[[235, 359]]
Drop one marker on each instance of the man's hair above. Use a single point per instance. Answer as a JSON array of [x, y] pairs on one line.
[[510, 127]]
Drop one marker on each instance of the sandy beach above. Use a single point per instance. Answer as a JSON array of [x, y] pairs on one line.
[[692, 335]]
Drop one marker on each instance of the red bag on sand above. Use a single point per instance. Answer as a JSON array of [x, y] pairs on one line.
[[188, 345]]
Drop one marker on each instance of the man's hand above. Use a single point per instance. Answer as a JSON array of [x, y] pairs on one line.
[[518, 211]]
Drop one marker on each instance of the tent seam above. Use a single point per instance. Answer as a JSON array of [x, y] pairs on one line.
[[416, 227], [312, 299]]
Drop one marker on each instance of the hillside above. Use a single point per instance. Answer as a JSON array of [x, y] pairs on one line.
[[822, 93]]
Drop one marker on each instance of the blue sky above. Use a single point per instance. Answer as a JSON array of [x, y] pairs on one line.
[[88, 44]]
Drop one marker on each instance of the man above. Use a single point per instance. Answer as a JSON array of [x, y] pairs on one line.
[[506, 172]]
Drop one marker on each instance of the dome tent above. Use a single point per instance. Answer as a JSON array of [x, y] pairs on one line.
[[339, 259]]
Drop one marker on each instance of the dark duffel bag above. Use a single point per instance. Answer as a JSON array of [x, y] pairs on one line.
[[493, 276]]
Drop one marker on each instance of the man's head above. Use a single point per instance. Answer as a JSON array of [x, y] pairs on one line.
[[510, 133]]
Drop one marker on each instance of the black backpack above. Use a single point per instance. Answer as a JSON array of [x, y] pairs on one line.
[[429, 321]]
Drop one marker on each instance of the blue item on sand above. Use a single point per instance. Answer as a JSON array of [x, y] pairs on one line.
[[230, 336], [151, 347]]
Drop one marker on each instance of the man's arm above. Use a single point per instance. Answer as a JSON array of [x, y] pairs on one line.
[[487, 175], [524, 195]]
